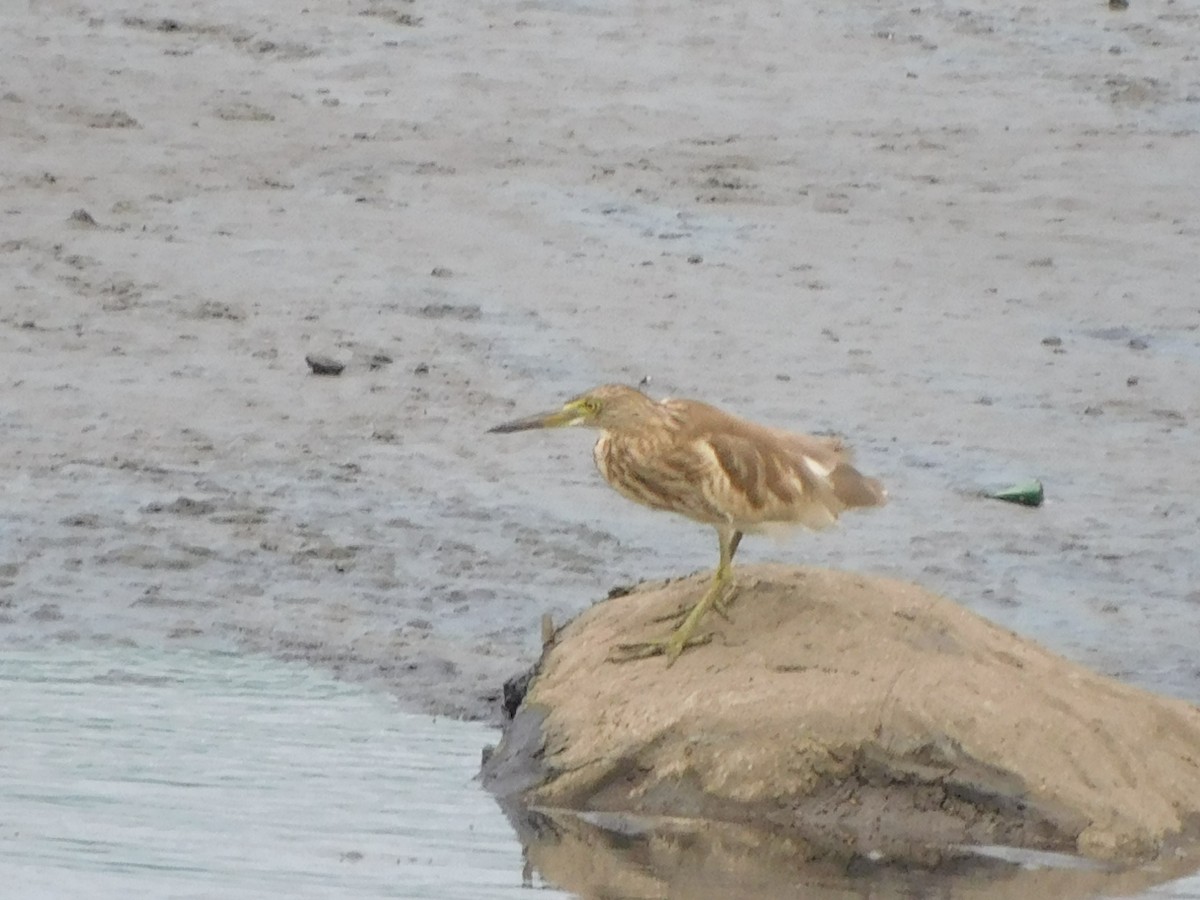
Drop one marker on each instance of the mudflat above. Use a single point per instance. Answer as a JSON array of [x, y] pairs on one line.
[[966, 239]]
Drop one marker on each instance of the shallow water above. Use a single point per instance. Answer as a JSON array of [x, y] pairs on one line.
[[129, 772], [204, 774]]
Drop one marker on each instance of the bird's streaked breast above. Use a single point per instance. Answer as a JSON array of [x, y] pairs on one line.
[[654, 474]]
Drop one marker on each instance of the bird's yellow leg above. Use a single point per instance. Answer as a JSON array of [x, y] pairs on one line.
[[681, 638], [729, 589], [725, 599], [720, 607]]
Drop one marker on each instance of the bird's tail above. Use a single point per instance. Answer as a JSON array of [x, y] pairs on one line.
[[853, 489]]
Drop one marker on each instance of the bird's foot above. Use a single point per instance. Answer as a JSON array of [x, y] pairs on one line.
[[671, 647], [724, 601], [681, 638], [677, 616], [720, 605]]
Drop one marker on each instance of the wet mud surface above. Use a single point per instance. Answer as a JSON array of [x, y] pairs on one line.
[[961, 238]]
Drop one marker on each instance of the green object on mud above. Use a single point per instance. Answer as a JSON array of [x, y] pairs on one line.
[[1027, 493]]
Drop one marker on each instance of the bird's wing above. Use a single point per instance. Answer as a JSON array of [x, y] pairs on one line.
[[830, 458], [758, 474], [764, 481]]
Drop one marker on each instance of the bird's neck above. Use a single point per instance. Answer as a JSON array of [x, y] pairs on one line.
[[650, 418]]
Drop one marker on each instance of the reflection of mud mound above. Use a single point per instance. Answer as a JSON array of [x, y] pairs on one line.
[[600, 855], [863, 718]]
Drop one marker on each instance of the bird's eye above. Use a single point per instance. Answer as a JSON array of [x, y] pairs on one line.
[[592, 405]]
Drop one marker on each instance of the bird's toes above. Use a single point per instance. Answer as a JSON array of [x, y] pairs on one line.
[[677, 616], [673, 650], [675, 646], [629, 652], [724, 601], [671, 647]]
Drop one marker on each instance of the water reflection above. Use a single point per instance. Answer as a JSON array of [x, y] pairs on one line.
[[601, 857]]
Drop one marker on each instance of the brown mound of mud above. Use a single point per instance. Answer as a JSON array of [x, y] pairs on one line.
[[868, 717]]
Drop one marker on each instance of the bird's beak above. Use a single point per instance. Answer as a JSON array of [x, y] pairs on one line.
[[571, 414]]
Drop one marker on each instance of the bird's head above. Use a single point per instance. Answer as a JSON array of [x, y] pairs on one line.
[[610, 406]]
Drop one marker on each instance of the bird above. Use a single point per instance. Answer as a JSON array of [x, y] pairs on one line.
[[690, 458]]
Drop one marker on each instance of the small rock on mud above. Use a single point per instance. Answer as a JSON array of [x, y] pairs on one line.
[[324, 365]]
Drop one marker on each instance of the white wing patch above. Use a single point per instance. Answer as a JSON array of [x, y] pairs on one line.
[[817, 469]]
